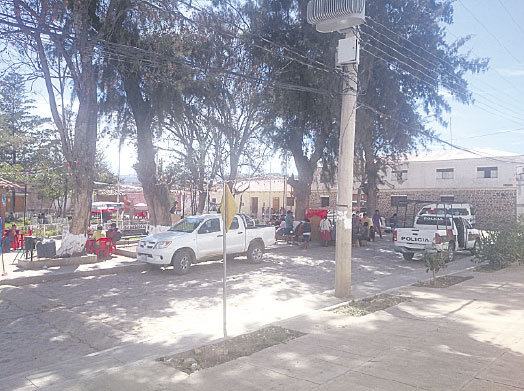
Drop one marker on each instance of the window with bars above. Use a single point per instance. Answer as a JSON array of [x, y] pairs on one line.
[[487, 172], [399, 175], [445, 173]]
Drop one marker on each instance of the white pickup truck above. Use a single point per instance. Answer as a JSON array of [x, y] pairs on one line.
[[199, 238], [437, 232]]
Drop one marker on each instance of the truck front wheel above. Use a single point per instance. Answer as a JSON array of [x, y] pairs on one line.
[[408, 256], [181, 261], [255, 252]]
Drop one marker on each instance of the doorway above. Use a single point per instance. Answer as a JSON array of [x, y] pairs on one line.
[[276, 204], [254, 206]]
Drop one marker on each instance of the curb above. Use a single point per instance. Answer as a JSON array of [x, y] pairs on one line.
[[20, 281]]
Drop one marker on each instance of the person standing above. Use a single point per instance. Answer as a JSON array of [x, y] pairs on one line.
[[377, 221], [325, 231], [289, 226], [306, 232], [393, 224]]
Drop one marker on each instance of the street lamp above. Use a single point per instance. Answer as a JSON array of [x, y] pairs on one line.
[[342, 16]]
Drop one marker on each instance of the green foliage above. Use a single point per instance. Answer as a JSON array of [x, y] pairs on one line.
[[503, 247], [435, 261], [403, 78]]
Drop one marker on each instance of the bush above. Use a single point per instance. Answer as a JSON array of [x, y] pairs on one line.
[[503, 247], [435, 261]]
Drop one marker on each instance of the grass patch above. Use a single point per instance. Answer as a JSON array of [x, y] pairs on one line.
[[442, 282], [221, 352], [488, 268], [369, 305]]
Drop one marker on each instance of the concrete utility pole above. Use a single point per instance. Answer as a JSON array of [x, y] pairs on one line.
[[345, 182], [342, 16]]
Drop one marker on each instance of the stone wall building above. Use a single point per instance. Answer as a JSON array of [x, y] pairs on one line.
[[493, 185]]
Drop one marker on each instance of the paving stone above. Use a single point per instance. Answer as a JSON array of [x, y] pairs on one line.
[[486, 385], [357, 381], [507, 369], [293, 363], [235, 376], [430, 369]]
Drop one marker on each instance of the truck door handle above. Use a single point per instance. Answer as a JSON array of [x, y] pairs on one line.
[[219, 236], [240, 233]]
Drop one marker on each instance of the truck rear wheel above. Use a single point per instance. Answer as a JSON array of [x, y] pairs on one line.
[[408, 256], [181, 261], [255, 252], [476, 247]]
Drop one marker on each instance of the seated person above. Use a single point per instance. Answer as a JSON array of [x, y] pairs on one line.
[[114, 234], [363, 236], [98, 234], [371, 234], [10, 237]]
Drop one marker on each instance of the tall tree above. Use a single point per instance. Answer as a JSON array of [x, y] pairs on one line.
[[407, 62], [59, 40], [307, 116], [141, 80]]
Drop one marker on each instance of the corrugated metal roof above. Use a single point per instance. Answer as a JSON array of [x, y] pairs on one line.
[[4, 183]]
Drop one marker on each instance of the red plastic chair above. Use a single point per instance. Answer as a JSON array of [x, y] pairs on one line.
[[104, 247], [112, 248]]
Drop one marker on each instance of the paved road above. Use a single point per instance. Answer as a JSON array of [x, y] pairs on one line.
[[130, 316]]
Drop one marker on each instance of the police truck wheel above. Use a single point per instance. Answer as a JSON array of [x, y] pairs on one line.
[[476, 247], [408, 256]]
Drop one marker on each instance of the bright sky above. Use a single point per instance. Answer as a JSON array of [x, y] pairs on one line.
[[494, 122]]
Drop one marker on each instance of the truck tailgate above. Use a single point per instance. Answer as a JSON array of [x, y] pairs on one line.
[[414, 238]]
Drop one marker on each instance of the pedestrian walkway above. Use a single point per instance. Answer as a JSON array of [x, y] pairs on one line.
[[469, 336]]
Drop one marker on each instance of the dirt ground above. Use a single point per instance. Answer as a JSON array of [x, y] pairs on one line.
[[443, 282], [369, 305], [221, 352]]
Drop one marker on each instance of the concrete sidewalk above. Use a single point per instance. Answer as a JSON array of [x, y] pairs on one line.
[[466, 337]]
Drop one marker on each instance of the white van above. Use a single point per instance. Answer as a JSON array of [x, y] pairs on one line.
[[466, 211]]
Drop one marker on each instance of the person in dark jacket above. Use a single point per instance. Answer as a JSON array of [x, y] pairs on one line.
[[306, 232]]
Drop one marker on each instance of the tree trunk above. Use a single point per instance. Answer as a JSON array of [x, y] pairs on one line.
[[155, 193], [202, 196], [302, 185], [84, 150], [302, 192], [66, 190], [371, 188]]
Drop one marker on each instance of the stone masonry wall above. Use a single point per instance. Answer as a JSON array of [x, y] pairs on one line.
[[492, 206], [314, 199]]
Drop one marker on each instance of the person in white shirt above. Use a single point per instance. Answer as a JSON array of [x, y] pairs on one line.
[[325, 231]]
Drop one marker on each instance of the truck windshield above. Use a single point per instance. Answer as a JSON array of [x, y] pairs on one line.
[[441, 211], [186, 225], [434, 220]]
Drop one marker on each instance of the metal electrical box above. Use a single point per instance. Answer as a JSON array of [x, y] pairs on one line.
[[347, 51]]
